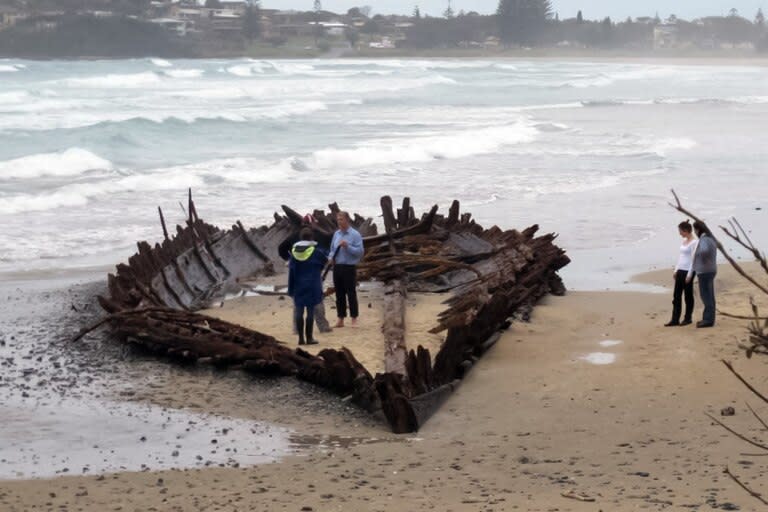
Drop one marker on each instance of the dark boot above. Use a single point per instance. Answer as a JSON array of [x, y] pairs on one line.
[[309, 329], [300, 329]]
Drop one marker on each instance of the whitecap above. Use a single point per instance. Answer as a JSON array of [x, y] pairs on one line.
[[161, 63], [9, 68], [425, 148], [184, 73], [78, 194], [11, 97], [663, 146], [71, 162], [110, 81]]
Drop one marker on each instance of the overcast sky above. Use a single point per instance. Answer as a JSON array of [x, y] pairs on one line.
[[592, 9]]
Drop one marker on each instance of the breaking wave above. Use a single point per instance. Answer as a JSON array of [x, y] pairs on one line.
[[426, 148], [161, 63], [11, 68], [80, 193], [184, 73], [72, 162], [115, 81]]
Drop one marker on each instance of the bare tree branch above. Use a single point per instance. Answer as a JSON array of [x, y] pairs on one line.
[[736, 233], [744, 381], [740, 436], [752, 493], [758, 417]]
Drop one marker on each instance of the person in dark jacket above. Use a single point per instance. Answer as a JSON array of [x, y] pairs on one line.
[[305, 283], [705, 268], [324, 242]]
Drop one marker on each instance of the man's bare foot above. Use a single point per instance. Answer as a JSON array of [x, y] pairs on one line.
[[339, 324], [354, 322]]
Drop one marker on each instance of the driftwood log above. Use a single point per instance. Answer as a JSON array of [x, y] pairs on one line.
[[491, 274]]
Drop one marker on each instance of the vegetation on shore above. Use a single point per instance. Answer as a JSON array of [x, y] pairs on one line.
[[83, 28]]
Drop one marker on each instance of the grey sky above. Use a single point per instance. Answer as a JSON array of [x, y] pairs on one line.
[[592, 9]]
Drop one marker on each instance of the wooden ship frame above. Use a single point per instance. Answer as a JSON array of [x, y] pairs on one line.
[[489, 275]]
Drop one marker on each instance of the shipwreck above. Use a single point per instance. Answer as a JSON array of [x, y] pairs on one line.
[[487, 275]]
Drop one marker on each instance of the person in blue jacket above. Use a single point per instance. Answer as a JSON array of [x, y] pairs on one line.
[[305, 283]]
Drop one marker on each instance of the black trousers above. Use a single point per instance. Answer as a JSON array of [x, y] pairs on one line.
[[301, 327], [682, 288], [345, 282]]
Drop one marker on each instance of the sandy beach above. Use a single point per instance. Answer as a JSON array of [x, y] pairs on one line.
[[592, 396]]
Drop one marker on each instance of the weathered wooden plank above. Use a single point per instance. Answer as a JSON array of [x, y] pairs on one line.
[[393, 327]]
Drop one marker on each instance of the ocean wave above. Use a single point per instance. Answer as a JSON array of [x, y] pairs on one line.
[[10, 68], [301, 89], [584, 81], [161, 63], [615, 103], [551, 127], [27, 103], [663, 146], [73, 114], [11, 97], [737, 100], [80, 194], [578, 183], [184, 73], [426, 148], [72, 162], [115, 81], [244, 70], [551, 106]]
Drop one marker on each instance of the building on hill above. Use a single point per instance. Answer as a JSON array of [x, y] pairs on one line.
[[225, 20], [173, 24], [330, 28], [665, 36], [9, 16]]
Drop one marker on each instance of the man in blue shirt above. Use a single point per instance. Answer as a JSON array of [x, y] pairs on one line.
[[346, 252]]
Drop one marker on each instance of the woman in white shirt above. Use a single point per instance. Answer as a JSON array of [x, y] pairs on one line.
[[682, 270]]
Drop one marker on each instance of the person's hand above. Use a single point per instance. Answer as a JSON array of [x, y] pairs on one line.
[[688, 280], [674, 276], [343, 244]]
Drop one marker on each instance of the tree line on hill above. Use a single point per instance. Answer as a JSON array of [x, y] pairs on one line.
[[78, 31]]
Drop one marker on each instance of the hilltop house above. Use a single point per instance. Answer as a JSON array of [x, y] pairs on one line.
[[9, 16], [665, 36]]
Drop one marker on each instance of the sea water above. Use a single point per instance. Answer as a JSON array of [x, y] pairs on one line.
[[89, 149]]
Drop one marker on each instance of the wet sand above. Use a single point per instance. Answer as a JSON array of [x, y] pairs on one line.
[[537, 417]]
